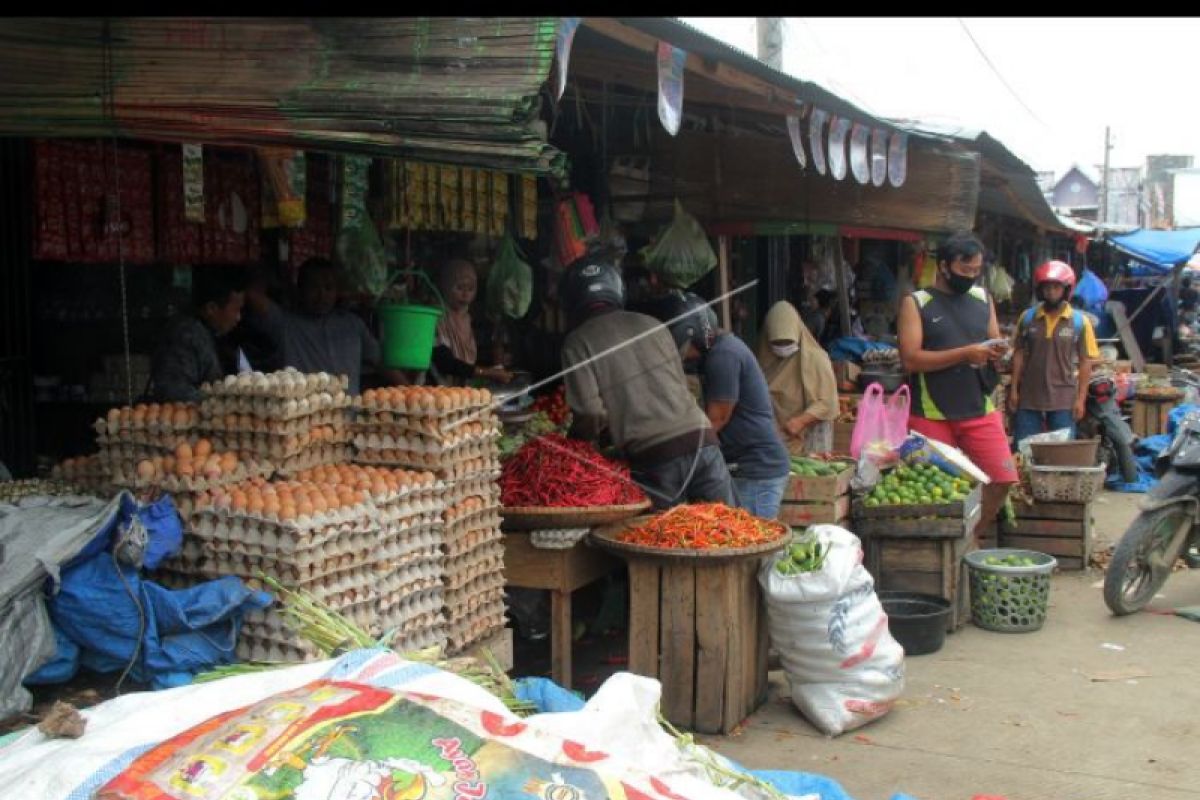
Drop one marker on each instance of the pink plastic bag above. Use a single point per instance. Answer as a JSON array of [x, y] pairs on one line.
[[881, 425]]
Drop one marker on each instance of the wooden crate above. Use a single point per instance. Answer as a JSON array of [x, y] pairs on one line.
[[929, 566], [1063, 530], [801, 515], [1150, 415], [831, 487], [842, 431], [935, 521], [700, 629]]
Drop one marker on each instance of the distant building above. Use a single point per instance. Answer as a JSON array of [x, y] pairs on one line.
[[1076, 193], [1124, 197], [1158, 190]]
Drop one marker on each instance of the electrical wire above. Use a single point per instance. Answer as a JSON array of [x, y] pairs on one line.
[[1000, 77]]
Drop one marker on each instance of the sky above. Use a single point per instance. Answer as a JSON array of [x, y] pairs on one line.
[[1067, 78]]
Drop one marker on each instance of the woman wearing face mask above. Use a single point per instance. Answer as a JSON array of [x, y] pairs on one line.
[[454, 353], [948, 333], [800, 378]]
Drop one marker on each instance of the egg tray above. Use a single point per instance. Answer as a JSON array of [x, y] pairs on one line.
[[469, 560], [90, 475], [106, 430], [468, 503], [173, 483], [417, 599], [419, 639], [416, 443], [136, 448], [229, 424], [410, 621], [434, 461], [461, 635], [476, 469], [14, 492], [397, 584], [271, 408], [482, 561], [475, 592], [468, 541], [430, 555], [426, 401], [252, 649], [481, 520], [367, 546], [384, 422], [318, 561], [308, 531], [318, 456], [288, 382], [488, 613], [270, 446], [462, 491]]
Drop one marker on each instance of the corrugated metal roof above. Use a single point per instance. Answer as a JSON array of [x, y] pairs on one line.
[[458, 90]]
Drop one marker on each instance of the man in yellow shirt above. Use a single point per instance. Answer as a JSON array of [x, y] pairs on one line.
[[1052, 357]]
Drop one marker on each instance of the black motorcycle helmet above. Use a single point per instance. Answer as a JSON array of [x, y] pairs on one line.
[[689, 319], [589, 285]]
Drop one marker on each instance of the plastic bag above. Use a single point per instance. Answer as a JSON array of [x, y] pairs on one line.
[[1091, 291], [284, 185], [842, 664], [917, 449], [881, 425], [1000, 284], [509, 283], [682, 253], [358, 248]]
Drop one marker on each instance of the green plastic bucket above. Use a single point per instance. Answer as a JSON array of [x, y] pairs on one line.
[[408, 330]]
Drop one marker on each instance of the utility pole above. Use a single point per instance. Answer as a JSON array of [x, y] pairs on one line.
[[1103, 217], [770, 41]]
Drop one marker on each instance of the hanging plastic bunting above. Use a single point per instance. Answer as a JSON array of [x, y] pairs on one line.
[[879, 143], [898, 158], [562, 50], [860, 161], [816, 137], [670, 86], [793, 126], [193, 183], [838, 128]]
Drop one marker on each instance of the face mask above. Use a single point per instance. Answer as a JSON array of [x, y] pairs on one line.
[[785, 350], [1052, 306], [959, 284]]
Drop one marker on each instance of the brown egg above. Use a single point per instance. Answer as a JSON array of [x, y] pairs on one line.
[[145, 470], [202, 449], [180, 418], [304, 509], [254, 502], [183, 452], [229, 462], [185, 469], [287, 513]]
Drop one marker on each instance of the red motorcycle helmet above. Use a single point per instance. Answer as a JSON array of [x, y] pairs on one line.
[[1055, 272]]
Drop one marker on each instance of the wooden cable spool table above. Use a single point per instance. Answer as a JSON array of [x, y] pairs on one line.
[[698, 624]]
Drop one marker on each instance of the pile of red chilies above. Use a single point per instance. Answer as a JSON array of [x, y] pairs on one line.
[[556, 472]]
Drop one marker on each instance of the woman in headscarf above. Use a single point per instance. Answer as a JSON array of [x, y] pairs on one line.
[[454, 352], [800, 378]]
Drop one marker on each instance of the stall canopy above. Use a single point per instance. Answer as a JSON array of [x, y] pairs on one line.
[[452, 90], [1159, 248]]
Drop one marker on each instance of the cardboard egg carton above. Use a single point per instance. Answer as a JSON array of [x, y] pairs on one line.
[[412, 618], [485, 489], [485, 588], [306, 531], [136, 447], [451, 446], [424, 401], [415, 599], [462, 633], [480, 561], [126, 475], [411, 580], [148, 418], [402, 451], [419, 639], [485, 551], [285, 383], [316, 456], [277, 447], [332, 557], [438, 428], [465, 542], [271, 407], [235, 423], [253, 649]]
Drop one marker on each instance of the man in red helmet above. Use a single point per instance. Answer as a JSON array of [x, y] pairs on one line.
[[1052, 357]]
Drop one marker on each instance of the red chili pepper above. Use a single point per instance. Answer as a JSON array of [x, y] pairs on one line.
[[704, 526], [555, 471]]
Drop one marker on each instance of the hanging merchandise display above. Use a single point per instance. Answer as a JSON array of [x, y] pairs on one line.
[[359, 248], [569, 244], [443, 197], [283, 187], [838, 128], [793, 126], [562, 52], [816, 137], [193, 183], [498, 213], [879, 141], [81, 214], [682, 254], [925, 266], [670, 86], [509, 283], [527, 207], [898, 158], [232, 208], [314, 238], [860, 162]]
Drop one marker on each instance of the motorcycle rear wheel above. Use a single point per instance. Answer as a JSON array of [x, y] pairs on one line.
[[1141, 562]]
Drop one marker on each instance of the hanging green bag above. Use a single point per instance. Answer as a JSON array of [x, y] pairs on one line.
[[509, 283], [682, 254]]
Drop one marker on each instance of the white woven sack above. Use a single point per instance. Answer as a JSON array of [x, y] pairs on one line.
[[843, 665]]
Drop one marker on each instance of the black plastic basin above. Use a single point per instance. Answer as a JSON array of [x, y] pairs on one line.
[[916, 621]]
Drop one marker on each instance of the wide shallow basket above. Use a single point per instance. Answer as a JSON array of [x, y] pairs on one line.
[[533, 518], [1066, 484], [1009, 599], [608, 537]]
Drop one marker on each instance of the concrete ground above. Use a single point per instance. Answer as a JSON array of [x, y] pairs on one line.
[[1091, 707]]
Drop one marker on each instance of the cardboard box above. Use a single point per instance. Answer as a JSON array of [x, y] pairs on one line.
[[842, 431]]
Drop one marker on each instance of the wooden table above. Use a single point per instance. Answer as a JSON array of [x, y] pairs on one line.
[[562, 572]]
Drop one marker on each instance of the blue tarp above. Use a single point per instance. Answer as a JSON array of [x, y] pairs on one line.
[[1160, 248]]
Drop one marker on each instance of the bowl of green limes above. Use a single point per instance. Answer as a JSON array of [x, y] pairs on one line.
[[1010, 588]]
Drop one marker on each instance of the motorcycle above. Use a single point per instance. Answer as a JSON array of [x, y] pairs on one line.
[[1167, 527], [1103, 420]]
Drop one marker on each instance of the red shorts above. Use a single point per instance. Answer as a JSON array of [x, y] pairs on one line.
[[982, 439]]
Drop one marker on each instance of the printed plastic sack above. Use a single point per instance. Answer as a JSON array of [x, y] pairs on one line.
[[917, 449], [682, 254], [842, 664], [509, 283], [358, 248], [1091, 292], [881, 425]]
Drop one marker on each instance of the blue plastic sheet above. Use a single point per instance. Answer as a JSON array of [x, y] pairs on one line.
[[1176, 415], [852, 348], [1160, 248], [1091, 293]]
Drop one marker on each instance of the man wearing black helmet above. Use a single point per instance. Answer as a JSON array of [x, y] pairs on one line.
[[624, 374], [736, 400]]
